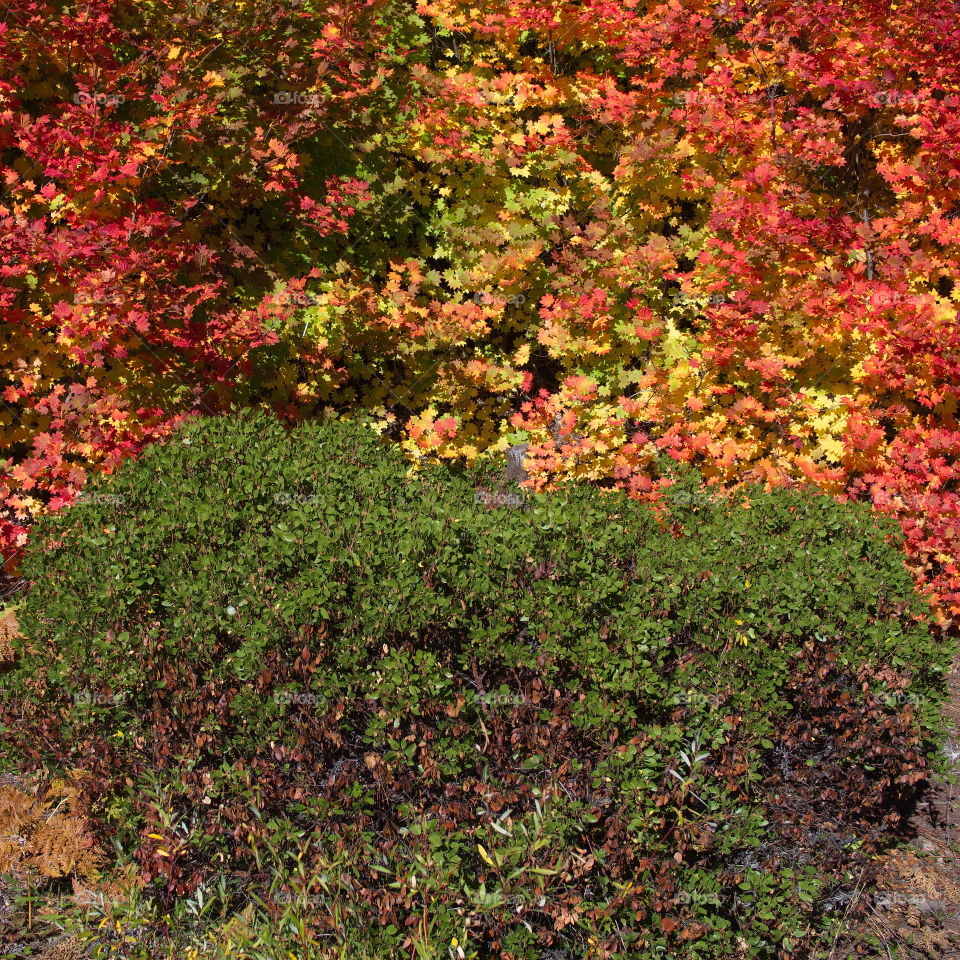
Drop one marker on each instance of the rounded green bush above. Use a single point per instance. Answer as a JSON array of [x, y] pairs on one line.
[[568, 724]]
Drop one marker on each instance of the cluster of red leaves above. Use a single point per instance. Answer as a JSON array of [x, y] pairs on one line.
[[791, 167], [143, 160], [722, 230]]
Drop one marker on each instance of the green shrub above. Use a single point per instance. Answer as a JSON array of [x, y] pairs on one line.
[[569, 726]]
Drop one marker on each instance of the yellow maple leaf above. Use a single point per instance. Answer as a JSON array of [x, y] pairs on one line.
[[832, 448]]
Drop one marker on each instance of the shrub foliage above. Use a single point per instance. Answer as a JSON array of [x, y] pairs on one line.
[[569, 724]]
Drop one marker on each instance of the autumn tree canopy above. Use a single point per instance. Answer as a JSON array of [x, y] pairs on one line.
[[721, 232]]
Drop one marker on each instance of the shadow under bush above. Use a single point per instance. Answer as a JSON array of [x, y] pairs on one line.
[[569, 727]]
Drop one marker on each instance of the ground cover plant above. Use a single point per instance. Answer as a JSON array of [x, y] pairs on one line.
[[327, 706]]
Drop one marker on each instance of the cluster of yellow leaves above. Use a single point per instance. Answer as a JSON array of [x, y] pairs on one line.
[[649, 239]]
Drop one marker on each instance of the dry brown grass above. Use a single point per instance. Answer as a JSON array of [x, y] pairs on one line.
[[67, 949]]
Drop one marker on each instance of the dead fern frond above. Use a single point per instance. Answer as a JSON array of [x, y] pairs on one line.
[[46, 835], [9, 628], [62, 848]]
